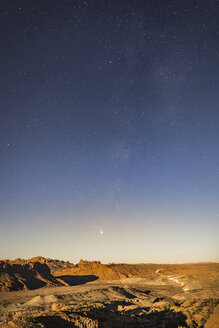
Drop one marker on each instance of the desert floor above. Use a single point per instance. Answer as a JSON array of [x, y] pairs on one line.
[[132, 302]]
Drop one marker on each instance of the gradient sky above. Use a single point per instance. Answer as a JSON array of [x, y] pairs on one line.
[[109, 130]]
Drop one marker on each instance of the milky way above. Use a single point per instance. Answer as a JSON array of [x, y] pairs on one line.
[[109, 122]]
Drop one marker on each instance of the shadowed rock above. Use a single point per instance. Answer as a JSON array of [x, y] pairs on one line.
[[77, 280], [14, 277]]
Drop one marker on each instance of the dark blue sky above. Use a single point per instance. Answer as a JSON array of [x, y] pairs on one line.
[[109, 122]]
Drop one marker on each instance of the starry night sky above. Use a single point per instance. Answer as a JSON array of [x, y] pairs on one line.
[[109, 130]]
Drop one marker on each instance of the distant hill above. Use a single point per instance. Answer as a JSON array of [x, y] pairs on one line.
[[103, 272], [39, 271]]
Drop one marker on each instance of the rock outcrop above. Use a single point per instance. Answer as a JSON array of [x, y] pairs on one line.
[[25, 275]]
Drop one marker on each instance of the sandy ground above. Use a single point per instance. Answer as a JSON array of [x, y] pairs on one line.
[[133, 302]]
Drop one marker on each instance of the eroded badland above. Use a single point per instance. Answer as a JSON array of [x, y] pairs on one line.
[[49, 293]]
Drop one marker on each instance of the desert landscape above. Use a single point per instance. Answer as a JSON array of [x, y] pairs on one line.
[[109, 164], [42, 292]]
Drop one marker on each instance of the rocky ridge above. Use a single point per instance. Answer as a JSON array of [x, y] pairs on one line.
[[25, 275]]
